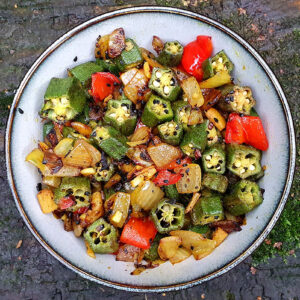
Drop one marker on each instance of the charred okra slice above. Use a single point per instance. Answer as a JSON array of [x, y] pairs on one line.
[[120, 115], [213, 134], [151, 253], [104, 168], [130, 57], [219, 62], [84, 73], [214, 159], [102, 237], [242, 160], [245, 196], [78, 188], [194, 139], [215, 182], [163, 81], [182, 111], [170, 132], [110, 140], [171, 54], [64, 99], [156, 111], [47, 128], [108, 65], [239, 100], [202, 229], [167, 216], [207, 210]]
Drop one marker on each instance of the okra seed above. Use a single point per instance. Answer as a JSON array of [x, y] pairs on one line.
[[237, 164], [245, 93], [242, 171], [156, 101], [181, 113], [158, 74], [208, 157], [191, 145], [113, 115], [171, 125], [215, 154], [166, 111], [251, 168], [209, 165], [172, 82], [166, 90], [214, 64], [164, 105], [247, 101], [127, 115], [156, 84]]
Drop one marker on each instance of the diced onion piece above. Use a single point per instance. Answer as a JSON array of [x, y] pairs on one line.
[[163, 154], [180, 255], [128, 75], [64, 147], [168, 246], [46, 200], [95, 153], [195, 117], [36, 157], [51, 181], [64, 171], [205, 247], [150, 59], [139, 156], [193, 92], [191, 180], [217, 80], [140, 136], [112, 181], [78, 157], [219, 235], [146, 196], [189, 239], [120, 209], [216, 118]]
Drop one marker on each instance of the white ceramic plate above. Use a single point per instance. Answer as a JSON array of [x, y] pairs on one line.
[[24, 130]]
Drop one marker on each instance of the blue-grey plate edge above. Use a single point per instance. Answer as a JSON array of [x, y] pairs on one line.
[[262, 63]]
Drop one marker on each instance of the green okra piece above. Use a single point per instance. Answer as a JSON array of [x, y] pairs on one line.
[[163, 82], [171, 54], [245, 196], [170, 132], [207, 210], [215, 182], [214, 159], [64, 99], [121, 116], [157, 111], [102, 237]]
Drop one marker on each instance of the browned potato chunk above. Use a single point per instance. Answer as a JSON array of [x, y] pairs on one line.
[[190, 239], [219, 235], [46, 200], [204, 248], [168, 246], [180, 255]]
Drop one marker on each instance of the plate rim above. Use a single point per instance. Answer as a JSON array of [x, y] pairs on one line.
[[168, 10]]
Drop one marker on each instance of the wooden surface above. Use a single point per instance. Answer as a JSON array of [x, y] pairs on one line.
[[27, 27]]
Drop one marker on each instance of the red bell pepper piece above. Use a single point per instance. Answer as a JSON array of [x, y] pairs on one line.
[[234, 130], [246, 129], [165, 177], [178, 163], [195, 53], [81, 210], [66, 202], [255, 133], [139, 232], [103, 85]]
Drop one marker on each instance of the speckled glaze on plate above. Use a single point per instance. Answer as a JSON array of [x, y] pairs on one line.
[[140, 23]]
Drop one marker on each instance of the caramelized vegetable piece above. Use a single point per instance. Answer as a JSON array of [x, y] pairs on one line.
[[65, 171], [102, 47], [46, 200], [192, 203], [157, 44], [211, 98], [191, 179], [192, 91], [180, 255], [163, 154], [219, 235], [89, 251], [140, 136], [78, 157], [116, 43], [216, 118], [217, 80], [95, 154], [205, 248], [120, 209], [36, 157], [168, 247], [189, 239], [83, 129], [146, 196], [64, 147], [129, 253], [150, 58], [51, 181]]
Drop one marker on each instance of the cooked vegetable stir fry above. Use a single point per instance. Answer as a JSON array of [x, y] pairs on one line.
[[150, 158]]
